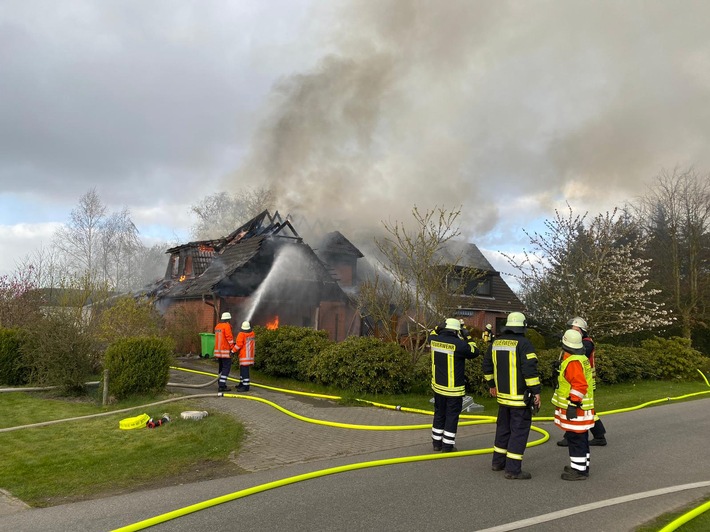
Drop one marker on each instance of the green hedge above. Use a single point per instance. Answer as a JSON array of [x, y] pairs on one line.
[[13, 371], [364, 365], [138, 365], [658, 358], [287, 351]]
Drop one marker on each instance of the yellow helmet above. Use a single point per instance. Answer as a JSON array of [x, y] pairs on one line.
[[572, 342], [516, 322], [453, 324]]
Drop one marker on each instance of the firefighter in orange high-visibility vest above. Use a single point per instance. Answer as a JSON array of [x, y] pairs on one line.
[[223, 349], [246, 346], [574, 404]]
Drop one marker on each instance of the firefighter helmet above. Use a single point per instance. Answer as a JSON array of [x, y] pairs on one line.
[[516, 322], [226, 316], [489, 326], [246, 326], [572, 342], [577, 322], [453, 324]]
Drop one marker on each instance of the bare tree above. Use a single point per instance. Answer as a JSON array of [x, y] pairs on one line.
[[413, 290], [99, 247], [221, 213], [675, 215], [80, 239], [595, 270]]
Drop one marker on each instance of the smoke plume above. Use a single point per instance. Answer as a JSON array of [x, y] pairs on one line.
[[504, 108]]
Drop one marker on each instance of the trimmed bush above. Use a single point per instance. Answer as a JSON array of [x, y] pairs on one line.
[[287, 351], [13, 372], [138, 365], [363, 365]]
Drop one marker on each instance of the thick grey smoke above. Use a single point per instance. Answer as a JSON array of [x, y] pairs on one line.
[[498, 107]]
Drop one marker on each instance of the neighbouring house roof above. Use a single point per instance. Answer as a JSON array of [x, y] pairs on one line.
[[334, 243], [466, 255], [500, 297]]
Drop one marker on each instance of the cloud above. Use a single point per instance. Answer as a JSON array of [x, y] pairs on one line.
[[21, 240]]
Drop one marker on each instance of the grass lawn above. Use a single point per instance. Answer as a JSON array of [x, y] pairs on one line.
[[77, 460]]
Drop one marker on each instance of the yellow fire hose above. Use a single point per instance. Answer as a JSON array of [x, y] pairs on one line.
[[475, 420], [353, 467]]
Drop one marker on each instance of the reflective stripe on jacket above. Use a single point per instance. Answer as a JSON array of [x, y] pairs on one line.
[[246, 345], [575, 381], [223, 340], [510, 366], [448, 357]]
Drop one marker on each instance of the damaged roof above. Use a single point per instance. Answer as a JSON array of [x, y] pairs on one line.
[[257, 240]]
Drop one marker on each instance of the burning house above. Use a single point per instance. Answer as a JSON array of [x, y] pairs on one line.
[[265, 273]]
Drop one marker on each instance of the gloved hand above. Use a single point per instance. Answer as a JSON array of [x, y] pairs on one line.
[[572, 412]]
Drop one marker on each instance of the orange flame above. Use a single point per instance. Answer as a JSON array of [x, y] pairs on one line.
[[274, 324], [182, 278]]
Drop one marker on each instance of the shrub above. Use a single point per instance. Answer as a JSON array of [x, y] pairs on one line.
[[537, 340], [138, 365], [13, 372], [364, 365], [674, 358], [287, 351], [128, 317], [60, 351]]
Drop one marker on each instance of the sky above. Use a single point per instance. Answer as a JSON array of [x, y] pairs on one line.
[[352, 111]]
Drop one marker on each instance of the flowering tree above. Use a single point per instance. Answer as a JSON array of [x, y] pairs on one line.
[[595, 270]]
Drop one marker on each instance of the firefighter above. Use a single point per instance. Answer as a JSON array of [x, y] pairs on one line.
[[598, 430], [488, 336], [510, 367], [223, 349], [449, 352], [246, 347], [574, 404]]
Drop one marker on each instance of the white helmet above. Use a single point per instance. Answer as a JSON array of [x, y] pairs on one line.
[[489, 326], [577, 322], [453, 324], [246, 326], [572, 342], [226, 316], [516, 322]]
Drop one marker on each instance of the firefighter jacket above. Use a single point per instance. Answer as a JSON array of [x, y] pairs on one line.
[[510, 366], [448, 357], [574, 387], [223, 340], [246, 346], [487, 336]]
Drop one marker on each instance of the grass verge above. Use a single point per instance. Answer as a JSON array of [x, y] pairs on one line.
[[78, 460]]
